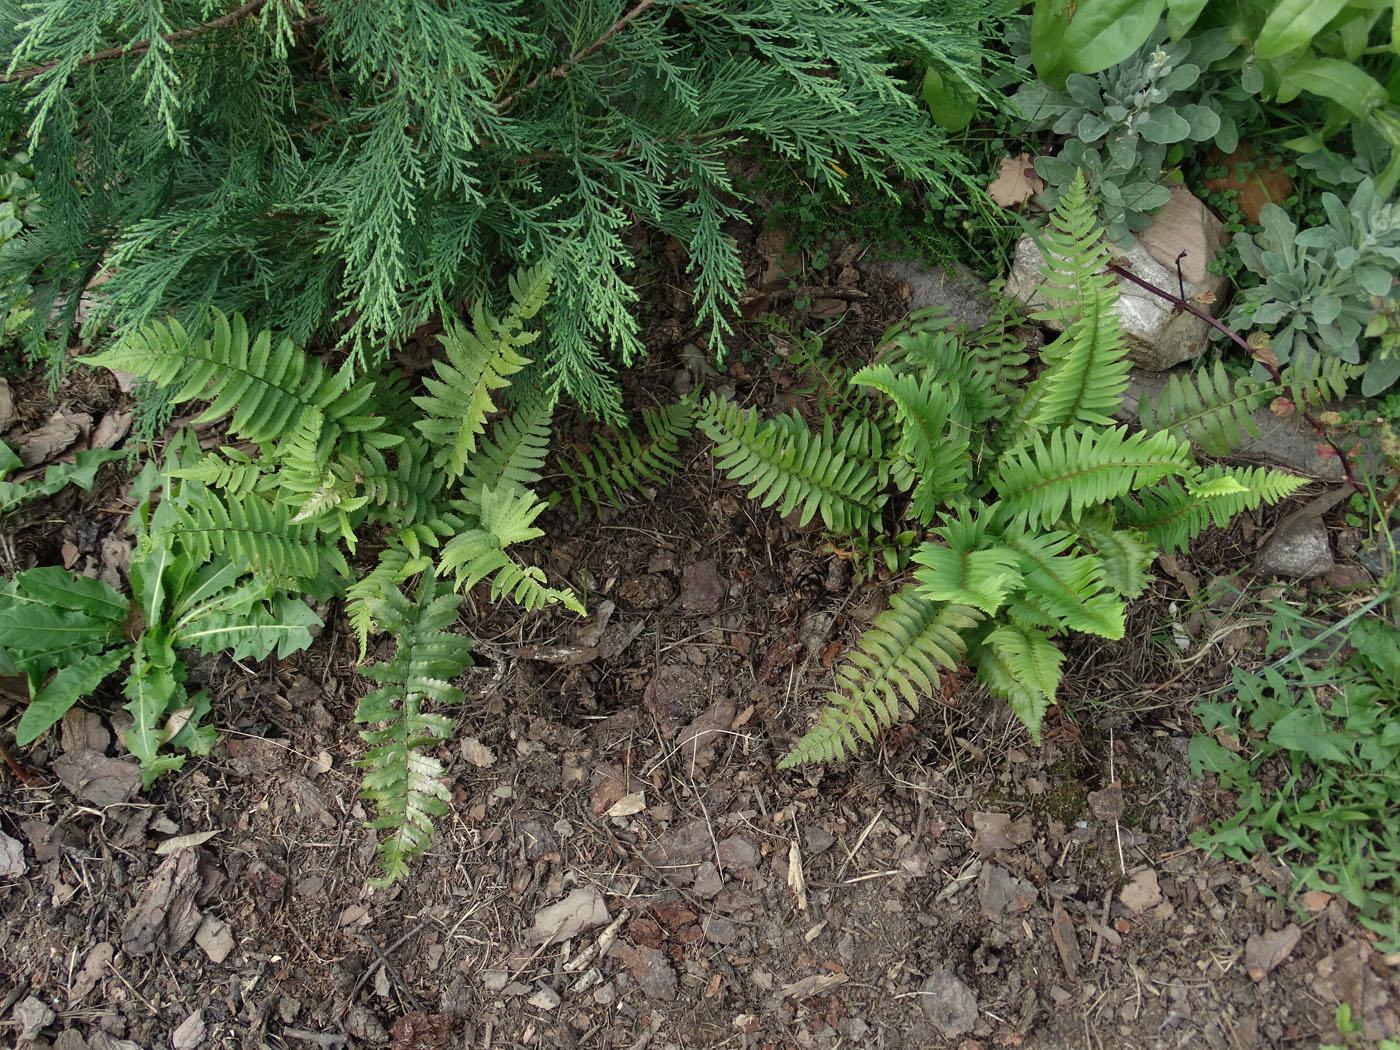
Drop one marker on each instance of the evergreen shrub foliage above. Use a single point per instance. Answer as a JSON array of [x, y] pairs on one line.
[[343, 170], [1041, 514]]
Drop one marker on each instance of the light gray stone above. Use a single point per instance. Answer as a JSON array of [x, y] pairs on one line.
[[955, 288], [949, 1004], [1299, 548]]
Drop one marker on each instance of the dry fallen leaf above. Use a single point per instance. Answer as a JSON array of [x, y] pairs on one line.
[[56, 435], [1016, 182], [1142, 893], [998, 831], [7, 406], [1282, 407], [1264, 951], [581, 910]]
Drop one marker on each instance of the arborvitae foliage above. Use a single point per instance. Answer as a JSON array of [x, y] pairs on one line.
[[1040, 514], [341, 170]]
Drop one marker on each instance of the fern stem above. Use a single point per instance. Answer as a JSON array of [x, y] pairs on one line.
[[1180, 303]]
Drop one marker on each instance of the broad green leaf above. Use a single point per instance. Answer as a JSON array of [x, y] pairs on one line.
[[951, 109], [153, 691], [1293, 24], [1335, 80], [1088, 36], [70, 685], [1182, 15]]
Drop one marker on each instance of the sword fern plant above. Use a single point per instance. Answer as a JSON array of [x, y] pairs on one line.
[[1039, 515]]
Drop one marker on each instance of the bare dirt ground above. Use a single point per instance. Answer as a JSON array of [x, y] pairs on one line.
[[624, 866]]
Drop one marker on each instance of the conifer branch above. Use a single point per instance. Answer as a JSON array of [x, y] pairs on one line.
[[140, 47], [559, 71]]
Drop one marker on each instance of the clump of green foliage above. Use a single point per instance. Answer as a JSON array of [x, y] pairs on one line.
[[1330, 289], [1041, 514], [441, 484], [342, 172], [1310, 745]]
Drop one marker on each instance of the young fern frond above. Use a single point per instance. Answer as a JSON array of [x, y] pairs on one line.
[[402, 779], [1021, 664], [506, 517], [934, 432], [1069, 470], [515, 449], [611, 467], [897, 661], [1126, 554], [1064, 587], [786, 464], [232, 471], [480, 360]]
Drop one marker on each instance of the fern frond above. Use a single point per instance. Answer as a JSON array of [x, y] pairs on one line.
[[1064, 588], [1214, 410], [1127, 555], [611, 467], [785, 463], [896, 660], [936, 353], [1022, 666], [506, 517], [234, 471], [256, 532], [262, 386], [517, 446], [974, 569], [1173, 514], [1088, 365], [1075, 469], [934, 432], [404, 782], [480, 360]]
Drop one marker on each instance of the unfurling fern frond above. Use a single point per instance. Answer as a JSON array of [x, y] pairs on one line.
[[479, 361], [263, 387], [1173, 514], [896, 661], [784, 463], [1069, 470], [611, 467], [402, 779]]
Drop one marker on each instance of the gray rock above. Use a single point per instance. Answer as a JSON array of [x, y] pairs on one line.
[[949, 1004], [957, 289], [1299, 547], [1157, 337]]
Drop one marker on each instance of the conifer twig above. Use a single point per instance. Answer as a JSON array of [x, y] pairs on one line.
[[142, 46], [559, 71]]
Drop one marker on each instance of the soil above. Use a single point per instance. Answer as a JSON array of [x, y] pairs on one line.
[[624, 866]]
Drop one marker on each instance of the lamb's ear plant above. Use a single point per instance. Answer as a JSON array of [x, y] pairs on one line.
[[1041, 515], [1330, 290]]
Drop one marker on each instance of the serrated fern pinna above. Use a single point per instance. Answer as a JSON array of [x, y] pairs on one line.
[[1039, 514]]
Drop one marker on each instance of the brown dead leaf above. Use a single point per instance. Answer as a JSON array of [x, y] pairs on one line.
[[697, 742], [1315, 900], [581, 910], [110, 430], [1142, 893], [165, 917], [1107, 805], [1282, 407], [1066, 943], [1016, 181], [95, 778], [70, 554], [1264, 951], [997, 831], [421, 1031], [56, 435]]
